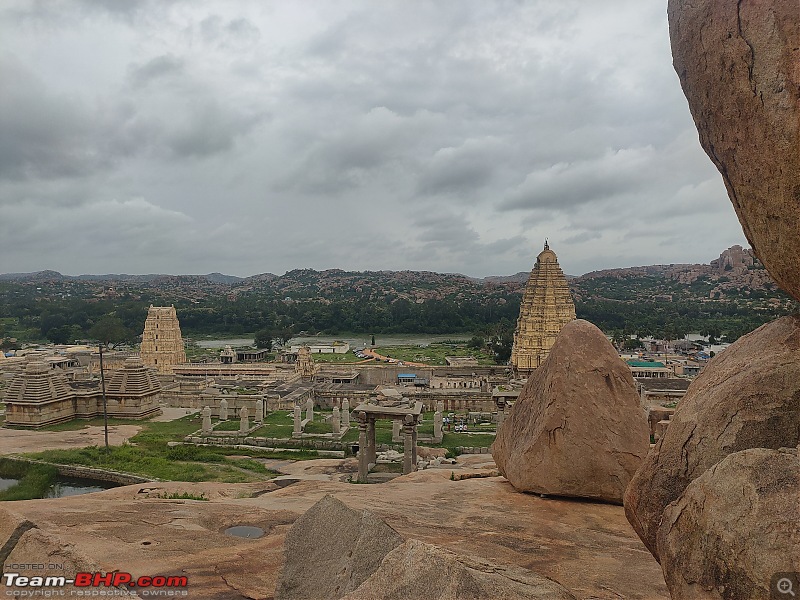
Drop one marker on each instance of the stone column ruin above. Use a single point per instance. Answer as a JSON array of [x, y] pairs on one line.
[[206, 420], [244, 424]]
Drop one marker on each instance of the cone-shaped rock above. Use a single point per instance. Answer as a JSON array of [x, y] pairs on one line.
[[747, 397], [734, 528], [738, 65], [577, 428]]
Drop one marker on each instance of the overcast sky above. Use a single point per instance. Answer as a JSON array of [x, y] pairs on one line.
[[246, 137]]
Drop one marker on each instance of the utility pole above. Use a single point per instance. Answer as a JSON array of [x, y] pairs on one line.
[[103, 388]]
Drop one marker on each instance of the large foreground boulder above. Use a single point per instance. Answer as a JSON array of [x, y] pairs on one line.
[[331, 550], [747, 397], [577, 428], [737, 62], [419, 570], [734, 528]]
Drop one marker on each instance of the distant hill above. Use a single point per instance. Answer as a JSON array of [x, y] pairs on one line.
[[736, 273]]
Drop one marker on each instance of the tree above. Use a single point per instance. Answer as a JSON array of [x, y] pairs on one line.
[[263, 339], [632, 344], [476, 343], [110, 331], [373, 340]]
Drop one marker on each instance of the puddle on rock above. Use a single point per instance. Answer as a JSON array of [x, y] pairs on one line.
[[245, 531]]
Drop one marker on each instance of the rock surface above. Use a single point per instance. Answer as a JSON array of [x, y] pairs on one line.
[[577, 428], [747, 397], [737, 62], [734, 527], [419, 570], [331, 550], [587, 547]]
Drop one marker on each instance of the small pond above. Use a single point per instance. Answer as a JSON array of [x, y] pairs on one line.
[[245, 531], [66, 486]]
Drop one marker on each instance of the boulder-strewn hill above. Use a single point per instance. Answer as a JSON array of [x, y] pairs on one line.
[[736, 276]]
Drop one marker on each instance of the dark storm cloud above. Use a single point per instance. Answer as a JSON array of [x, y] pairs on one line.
[[264, 136]]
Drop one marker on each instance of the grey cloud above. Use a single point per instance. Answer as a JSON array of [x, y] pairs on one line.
[[457, 136], [585, 236], [42, 135], [156, 68]]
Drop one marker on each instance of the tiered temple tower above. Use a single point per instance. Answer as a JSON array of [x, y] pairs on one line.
[[162, 345], [133, 391], [546, 307]]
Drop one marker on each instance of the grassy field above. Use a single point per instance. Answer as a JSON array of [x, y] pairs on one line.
[[148, 455], [434, 354]]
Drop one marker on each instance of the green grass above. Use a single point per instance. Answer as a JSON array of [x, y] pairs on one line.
[[148, 455], [318, 427], [182, 496], [229, 425], [434, 354], [34, 480], [452, 440]]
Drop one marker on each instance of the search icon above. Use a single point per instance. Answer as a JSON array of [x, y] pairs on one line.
[[785, 586]]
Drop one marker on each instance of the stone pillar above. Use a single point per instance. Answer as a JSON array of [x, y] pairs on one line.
[[310, 409], [414, 446], [335, 420], [371, 454], [501, 415], [363, 463], [206, 420], [259, 410], [408, 451], [346, 412], [223, 410], [298, 417], [439, 406], [244, 424], [397, 425], [437, 425]]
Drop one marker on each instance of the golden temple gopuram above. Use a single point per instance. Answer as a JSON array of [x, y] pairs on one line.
[[162, 344], [546, 307]]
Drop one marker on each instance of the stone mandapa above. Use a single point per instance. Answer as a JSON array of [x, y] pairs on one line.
[[577, 428]]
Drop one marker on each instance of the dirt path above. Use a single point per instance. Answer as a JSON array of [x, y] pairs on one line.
[[14, 441]]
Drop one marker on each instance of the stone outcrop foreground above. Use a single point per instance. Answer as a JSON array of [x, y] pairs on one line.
[[577, 428], [747, 397], [331, 550], [734, 528], [737, 62], [419, 570]]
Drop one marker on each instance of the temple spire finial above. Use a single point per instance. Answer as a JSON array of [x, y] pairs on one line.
[[546, 245]]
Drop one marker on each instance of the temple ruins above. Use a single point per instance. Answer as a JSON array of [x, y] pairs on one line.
[[41, 395]]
